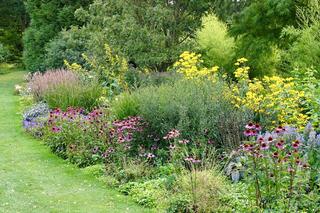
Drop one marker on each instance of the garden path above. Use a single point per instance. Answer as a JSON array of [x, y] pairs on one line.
[[34, 180]]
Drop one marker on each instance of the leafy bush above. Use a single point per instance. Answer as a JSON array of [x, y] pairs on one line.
[[274, 100], [4, 53], [197, 109], [67, 45], [217, 45], [150, 193]]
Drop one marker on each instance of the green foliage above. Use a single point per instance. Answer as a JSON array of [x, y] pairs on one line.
[[150, 33], [47, 20], [125, 105], [4, 53], [217, 45], [67, 45], [258, 28], [150, 193], [195, 108], [13, 22], [303, 52]]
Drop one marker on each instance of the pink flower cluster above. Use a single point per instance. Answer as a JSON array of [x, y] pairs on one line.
[[172, 134], [124, 129], [252, 129], [192, 160], [273, 145]]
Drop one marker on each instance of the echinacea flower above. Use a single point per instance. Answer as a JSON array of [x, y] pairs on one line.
[[264, 146], [250, 132], [258, 127], [296, 144], [184, 141], [280, 145], [290, 170], [95, 150], [275, 154], [150, 156], [250, 126], [55, 129], [172, 134], [172, 146]]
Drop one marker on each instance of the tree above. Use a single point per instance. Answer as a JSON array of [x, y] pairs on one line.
[[13, 21], [48, 18], [151, 33], [258, 28]]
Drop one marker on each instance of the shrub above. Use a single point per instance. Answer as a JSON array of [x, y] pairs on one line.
[[197, 109], [67, 45], [151, 193], [218, 47], [274, 100], [4, 53]]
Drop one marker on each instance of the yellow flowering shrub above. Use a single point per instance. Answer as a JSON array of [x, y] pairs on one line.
[[190, 65], [274, 98], [110, 69]]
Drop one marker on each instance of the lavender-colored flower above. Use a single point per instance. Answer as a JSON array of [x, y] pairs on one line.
[[184, 141], [172, 146], [264, 146], [95, 150], [150, 156], [172, 134]]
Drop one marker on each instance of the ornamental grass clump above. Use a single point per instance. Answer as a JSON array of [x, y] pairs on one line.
[[277, 169], [64, 88], [40, 83]]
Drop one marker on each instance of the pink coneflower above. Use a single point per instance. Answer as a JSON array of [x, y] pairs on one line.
[[247, 147], [260, 139], [196, 161], [210, 142], [189, 159], [258, 127], [184, 141], [290, 170], [172, 146], [55, 129], [264, 146], [250, 132], [305, 166], [150, 156], [279, 145], [275, 154], [296, 144], [172, 134], [250, 126]]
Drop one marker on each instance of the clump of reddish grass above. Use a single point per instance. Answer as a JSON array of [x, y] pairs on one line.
[[40, 83]]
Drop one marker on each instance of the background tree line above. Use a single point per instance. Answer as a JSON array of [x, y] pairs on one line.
[[151, 34]]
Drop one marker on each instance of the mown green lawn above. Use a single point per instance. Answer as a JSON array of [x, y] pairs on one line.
[[34, 180]]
